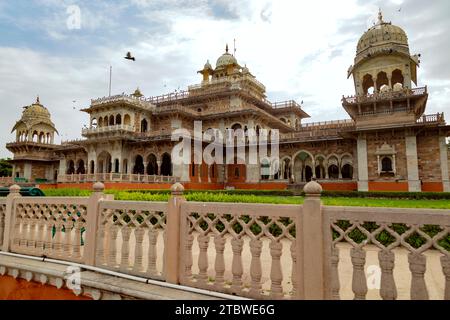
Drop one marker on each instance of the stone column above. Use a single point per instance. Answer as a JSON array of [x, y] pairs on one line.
[[158, 172], [27, 171], [363, 174], [444, 164], [412, 164]]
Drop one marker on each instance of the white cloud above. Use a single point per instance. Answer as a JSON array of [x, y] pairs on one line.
[[299, 49]]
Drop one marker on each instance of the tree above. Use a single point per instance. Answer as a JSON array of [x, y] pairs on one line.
[[5, 168]]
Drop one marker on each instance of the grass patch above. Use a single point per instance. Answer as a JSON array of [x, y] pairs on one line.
[[215, 196]]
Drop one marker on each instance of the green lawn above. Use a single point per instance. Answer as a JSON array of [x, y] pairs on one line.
[[246, 198]]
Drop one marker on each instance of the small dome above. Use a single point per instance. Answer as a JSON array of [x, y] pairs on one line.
[[226, 59], [36, 111], [383, 35], [137, 93], [35, 114], [207, 65]]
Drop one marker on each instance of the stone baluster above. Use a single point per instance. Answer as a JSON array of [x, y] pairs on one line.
[[152, 252], [24, 234], [276, 274], [17, 232], [48, 242], [445, 262], [100, 255], [219, 265], [32, 235], [188, 258], [57, 244], [388, 290], [125, 255], [255, 268], [335, 285], [203, 243], [139, 233], [113, 231], [67, 243], [40, 242], [76, 246], [237, 268], [359, 282], [417, 266]]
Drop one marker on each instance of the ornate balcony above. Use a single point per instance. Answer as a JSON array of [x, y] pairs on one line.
[[389, 95], [108, 129]]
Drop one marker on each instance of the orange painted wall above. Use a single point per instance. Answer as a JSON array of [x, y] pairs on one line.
[[258, 186], [345, 186], [388, 186], [432, 187], [20, 289]]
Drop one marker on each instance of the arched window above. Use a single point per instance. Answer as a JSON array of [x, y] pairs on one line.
[[236, 126], [397, 77], [386, 164], [105, 121], [308, 173], [144, 125], [100, 122], [333, 172], [166, 166], [382, 79], [367, 84], [111, 120], [80, 167], [152, 167], [139, 165], [118, 119], [94, 123], [71, 167], [116, 166], [347, 171]]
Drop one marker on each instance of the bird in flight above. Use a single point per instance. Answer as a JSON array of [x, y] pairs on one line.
[[129, 57]]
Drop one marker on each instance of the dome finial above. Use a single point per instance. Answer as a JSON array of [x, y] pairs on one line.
[[37, 100], [226, 48], [380, 16]]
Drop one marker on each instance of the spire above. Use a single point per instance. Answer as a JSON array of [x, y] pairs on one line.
[[380, 16]]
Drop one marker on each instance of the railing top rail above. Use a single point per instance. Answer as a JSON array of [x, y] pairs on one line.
[[54, 200], [251, 209], [153, 205], [390, 215]]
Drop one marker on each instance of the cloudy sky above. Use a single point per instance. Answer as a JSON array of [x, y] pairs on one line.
[[299, 49]]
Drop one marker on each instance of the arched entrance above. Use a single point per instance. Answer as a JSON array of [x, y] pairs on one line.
[[152, 167], [166, 165], [139, 167]]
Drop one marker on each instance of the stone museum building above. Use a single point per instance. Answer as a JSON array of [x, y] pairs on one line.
[[387, 144]]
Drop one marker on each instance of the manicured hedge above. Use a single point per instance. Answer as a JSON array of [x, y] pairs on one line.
[[388, 195], [274, 193]]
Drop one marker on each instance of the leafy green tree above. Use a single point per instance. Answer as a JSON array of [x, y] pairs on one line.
[[5, 168]]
